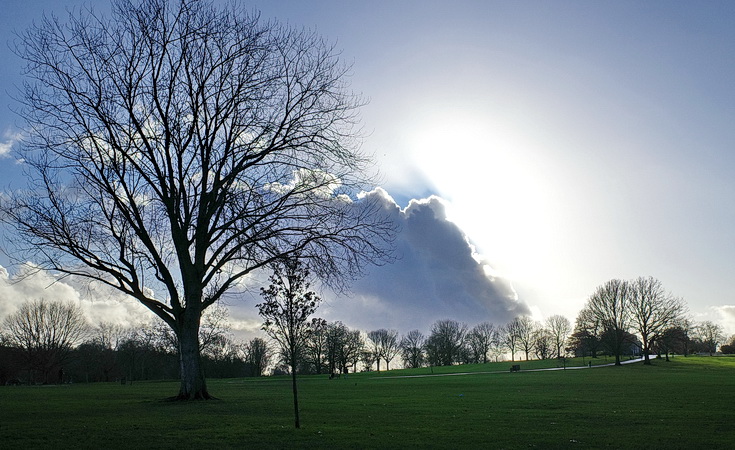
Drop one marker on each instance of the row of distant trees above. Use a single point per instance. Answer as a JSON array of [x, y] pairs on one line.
[[47, 341], [51, 342], [640, 312]]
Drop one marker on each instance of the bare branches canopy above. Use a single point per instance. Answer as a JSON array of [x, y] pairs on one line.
[[176, 147], [619, 306]]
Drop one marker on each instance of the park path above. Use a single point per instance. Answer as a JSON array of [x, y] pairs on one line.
[[630, 361]]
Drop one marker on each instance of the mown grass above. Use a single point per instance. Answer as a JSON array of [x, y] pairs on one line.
[[686, 403]]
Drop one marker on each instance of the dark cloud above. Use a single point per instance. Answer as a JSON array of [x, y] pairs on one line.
[[436, 276]]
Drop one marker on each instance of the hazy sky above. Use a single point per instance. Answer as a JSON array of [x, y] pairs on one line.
[[568, 142]]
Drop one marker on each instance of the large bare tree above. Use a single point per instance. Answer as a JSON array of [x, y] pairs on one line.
[[174, 148], [609, 305], [652, 311]]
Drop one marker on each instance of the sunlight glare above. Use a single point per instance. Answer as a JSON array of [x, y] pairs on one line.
[[496, 191]]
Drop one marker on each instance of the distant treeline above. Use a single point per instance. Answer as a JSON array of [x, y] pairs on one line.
[[50, 342]]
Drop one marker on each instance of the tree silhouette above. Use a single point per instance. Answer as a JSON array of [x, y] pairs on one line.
[[288, 304], [653, 311], [609, 304], [46, 332], [176, 147]]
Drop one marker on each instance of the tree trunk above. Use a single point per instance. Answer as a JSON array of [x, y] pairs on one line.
[[193, 383], [297, 423], [646, 359]]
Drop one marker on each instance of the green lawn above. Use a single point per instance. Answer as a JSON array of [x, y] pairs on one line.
[[685, 403]]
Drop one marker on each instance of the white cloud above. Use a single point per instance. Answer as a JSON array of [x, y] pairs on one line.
[[100, 303], [6, 145], [727, 318]]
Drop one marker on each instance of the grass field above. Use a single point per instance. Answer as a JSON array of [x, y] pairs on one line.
[[685, 403]]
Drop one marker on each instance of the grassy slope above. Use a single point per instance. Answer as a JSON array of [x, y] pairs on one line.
[[686, 403]]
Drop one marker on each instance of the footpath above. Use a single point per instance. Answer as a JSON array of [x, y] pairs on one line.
[[629, 361]]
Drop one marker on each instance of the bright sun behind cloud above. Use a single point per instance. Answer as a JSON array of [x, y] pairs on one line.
[[497, 193]]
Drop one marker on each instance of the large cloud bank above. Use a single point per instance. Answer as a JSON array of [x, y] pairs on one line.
[[437, 275]]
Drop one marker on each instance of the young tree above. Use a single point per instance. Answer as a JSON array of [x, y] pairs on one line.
[[176, 147], [288, 304], [652, 311], [610, 305], [46, 331]]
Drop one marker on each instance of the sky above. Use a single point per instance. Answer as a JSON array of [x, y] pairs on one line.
[[531, 150]]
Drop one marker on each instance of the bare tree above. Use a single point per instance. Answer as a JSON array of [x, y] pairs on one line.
[[46, 331], [368, 358], [480, 341], [525, 328], [544, 343], [587, 333], [315, 350], [710, 334], [610, 305], [412, 349], [559, 327], [176, 147], [343, 347], [336, 337], [509, 337], [375, 345], [390, 346], [215, 332], [652, 311], [286, 308], [445, 344], [99, 352], [257, 356], [353, 348]]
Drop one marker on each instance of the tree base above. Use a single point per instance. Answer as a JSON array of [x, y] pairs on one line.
[[195, 397]]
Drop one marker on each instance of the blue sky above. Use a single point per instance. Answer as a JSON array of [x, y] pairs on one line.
[[570, 142]]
